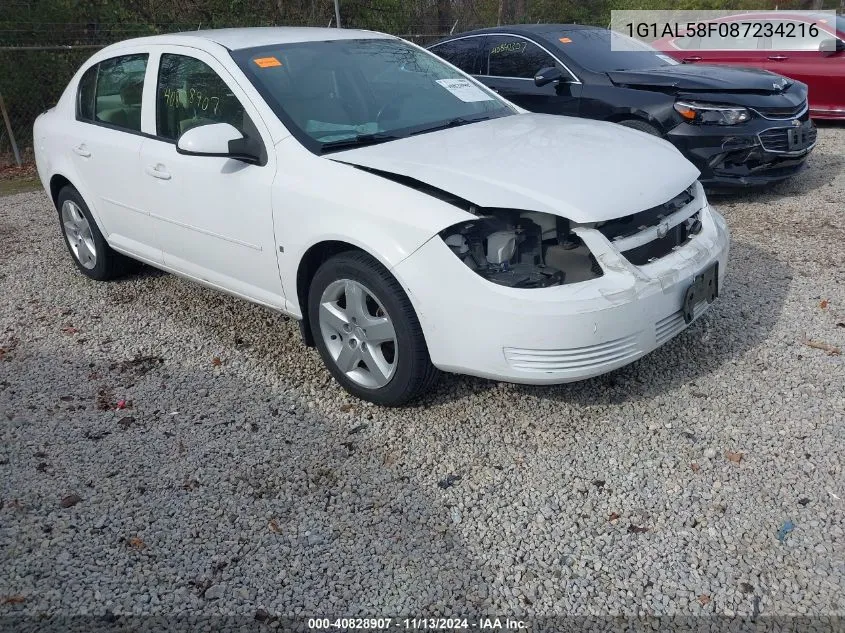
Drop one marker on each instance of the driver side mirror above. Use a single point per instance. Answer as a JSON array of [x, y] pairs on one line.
[[548, 75], [217, 139], [831, 45]]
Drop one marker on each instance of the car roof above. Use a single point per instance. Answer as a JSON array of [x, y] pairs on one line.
[[239, 38]]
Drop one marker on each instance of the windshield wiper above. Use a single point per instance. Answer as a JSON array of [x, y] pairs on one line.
[[450, 123], [360, 140]]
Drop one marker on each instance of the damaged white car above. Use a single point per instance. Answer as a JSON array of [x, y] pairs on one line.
[[410, 218]]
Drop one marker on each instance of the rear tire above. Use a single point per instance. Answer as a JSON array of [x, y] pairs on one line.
[[367, 331], [642, 126], [87, 247]]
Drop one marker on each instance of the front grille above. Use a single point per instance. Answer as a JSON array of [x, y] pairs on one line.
[[662, 246], [575, 358], [654, 233], [781, 112], [777, 140], [636, 222]]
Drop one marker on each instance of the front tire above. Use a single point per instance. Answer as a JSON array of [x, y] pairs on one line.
[[367, 331], [90, 252]]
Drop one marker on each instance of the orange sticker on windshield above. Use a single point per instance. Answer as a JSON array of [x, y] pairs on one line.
[[565, 40], [267, 62]]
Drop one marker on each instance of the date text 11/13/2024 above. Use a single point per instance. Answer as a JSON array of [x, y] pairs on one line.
[[417, 624], [737, 29]]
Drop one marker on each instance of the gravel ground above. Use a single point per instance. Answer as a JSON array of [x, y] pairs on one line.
[[240, 478]]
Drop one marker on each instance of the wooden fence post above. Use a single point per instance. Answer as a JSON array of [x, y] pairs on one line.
[[9, 130]]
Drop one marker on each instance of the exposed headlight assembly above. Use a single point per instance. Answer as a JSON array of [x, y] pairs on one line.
[[711, 114], [521, 249]]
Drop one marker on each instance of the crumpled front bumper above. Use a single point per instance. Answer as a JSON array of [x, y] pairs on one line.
[[736, 156], [559, 334]]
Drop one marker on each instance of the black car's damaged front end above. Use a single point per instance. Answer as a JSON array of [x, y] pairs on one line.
[[740, 126], [771, 144]]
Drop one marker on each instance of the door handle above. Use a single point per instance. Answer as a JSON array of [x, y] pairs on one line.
[[778, 58], [691, 59], [82, 150], [158, 171]]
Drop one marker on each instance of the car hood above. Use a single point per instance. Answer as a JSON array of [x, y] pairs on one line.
[[587, 171], [704, 77]]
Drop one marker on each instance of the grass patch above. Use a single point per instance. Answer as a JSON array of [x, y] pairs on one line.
[[19, 185], [14, 179]]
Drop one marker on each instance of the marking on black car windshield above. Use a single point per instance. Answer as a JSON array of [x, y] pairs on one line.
[[510, 47], [266, 62]]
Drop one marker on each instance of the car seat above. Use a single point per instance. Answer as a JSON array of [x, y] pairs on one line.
[[128, 115]]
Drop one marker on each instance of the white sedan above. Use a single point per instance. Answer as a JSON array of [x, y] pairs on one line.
[[409, 217]]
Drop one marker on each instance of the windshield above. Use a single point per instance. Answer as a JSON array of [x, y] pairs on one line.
[[605, 51], [338, 94]]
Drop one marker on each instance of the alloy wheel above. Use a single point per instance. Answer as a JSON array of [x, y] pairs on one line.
[[79, 235], [358, 333]]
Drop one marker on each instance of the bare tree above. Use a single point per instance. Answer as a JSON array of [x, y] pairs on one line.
[[444, 15], [520, 10]]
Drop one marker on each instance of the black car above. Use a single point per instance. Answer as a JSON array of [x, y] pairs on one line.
[[738, 126]]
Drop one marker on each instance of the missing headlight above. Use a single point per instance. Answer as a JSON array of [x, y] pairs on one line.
[[522, 249]]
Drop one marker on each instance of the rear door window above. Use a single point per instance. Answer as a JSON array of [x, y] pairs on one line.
[[118, 92], [191, 94], [724, 41], [508, 56], [687, 43]]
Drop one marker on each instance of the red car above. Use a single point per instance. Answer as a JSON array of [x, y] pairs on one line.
[[808, 48]]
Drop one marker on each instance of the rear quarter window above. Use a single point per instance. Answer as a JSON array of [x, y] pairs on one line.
[[791, 35], [85, 94], [462, 53]]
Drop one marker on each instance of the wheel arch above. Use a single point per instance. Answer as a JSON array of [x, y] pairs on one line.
[[57, 183], [643, 117], [60, 179], [311, 260]]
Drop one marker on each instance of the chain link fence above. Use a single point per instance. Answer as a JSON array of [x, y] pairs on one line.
[[37, 61], [31, 81]]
